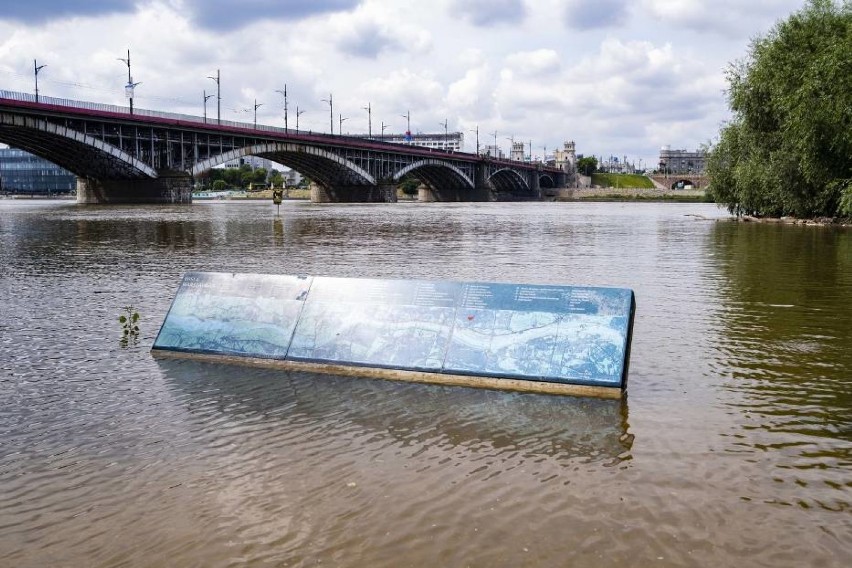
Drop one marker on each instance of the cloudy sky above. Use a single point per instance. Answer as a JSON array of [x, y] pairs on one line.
[[619, 77]]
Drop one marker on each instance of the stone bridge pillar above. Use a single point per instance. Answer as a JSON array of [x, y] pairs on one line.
[[170, 187], [535, 184]]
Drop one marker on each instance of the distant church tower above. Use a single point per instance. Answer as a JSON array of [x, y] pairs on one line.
[[566, 158]]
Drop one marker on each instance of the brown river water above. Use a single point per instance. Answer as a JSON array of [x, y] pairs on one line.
[[731, 447]]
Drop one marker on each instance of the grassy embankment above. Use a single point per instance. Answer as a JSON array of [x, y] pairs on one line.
[[622, 180], [633, 187]]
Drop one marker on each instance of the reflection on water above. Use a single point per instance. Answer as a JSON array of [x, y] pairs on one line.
[[736, 451], [563, 428], [785, 350]]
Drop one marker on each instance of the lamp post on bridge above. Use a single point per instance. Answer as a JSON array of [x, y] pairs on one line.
[[383, 130], [340, 129], [218, 97], [256, 104], [495, 142], [511, 140], [36, 69], [206, 97], [446, 135], [477, 138], [284, 92], [298, 114], [128, 89], [407, 117], [369, 110], [330, 102]]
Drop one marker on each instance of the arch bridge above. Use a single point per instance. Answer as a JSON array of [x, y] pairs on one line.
[[152, 157]]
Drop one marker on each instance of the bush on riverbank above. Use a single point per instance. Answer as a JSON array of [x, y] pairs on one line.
[[622, 180], [787, 150]]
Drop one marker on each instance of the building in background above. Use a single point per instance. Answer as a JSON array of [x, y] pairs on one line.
[[682, 161], [22, 172], [517, 153], [450, 142], [565, 158], [493, 151], [253, 161]]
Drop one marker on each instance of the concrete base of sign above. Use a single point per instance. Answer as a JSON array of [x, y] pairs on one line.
[[516, 385]]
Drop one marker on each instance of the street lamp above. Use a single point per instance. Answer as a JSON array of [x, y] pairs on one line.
[[407, 117], [446, 136], [298, 114], [330, 102], [383, 129], [256, 104], [340, 130], [477, 138], [128, 90], [284, 92], [206, 97], [369, 110], [218, 97], [36, 69], [511, 140]]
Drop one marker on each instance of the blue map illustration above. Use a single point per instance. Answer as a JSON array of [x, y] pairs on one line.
[[552, 333], [234, 314]]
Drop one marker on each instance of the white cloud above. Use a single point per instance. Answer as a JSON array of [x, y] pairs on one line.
[[644, 79]]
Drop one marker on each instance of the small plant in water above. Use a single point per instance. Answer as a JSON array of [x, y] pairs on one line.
[[129, 326]]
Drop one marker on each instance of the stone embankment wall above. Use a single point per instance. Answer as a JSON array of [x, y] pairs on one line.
[[571, 194]]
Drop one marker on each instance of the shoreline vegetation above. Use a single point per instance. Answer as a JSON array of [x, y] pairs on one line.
[[786, 152]]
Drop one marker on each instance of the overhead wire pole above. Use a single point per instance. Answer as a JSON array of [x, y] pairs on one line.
[[340, 130], [284, 92], [36, 69], [218, 97], [330, 100], [369, 110], [383, 130]]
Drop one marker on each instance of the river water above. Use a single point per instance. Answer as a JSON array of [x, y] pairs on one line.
[[732, 446]]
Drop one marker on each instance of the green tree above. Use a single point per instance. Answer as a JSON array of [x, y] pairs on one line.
[[587, 165], [275, 178], [259, 175], [219, 185], [788, 148], [409, 185]]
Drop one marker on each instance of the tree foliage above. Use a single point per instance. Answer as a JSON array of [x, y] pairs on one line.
[[587, 165], [788, 148]]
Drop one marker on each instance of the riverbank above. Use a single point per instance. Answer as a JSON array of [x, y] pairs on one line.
[[631, 194]]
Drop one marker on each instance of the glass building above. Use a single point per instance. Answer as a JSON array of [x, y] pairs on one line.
[[22, 172]]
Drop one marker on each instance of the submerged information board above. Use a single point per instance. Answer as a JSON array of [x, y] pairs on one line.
[[555, 334]]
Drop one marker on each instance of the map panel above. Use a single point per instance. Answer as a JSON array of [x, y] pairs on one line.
[[547, 333], [403, 324], [553, 333], [234, 314]]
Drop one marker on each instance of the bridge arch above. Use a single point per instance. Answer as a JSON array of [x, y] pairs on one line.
[[75, 151], [436, 174], [545, 181], [507, 180], [317, 163], [682, 183]]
